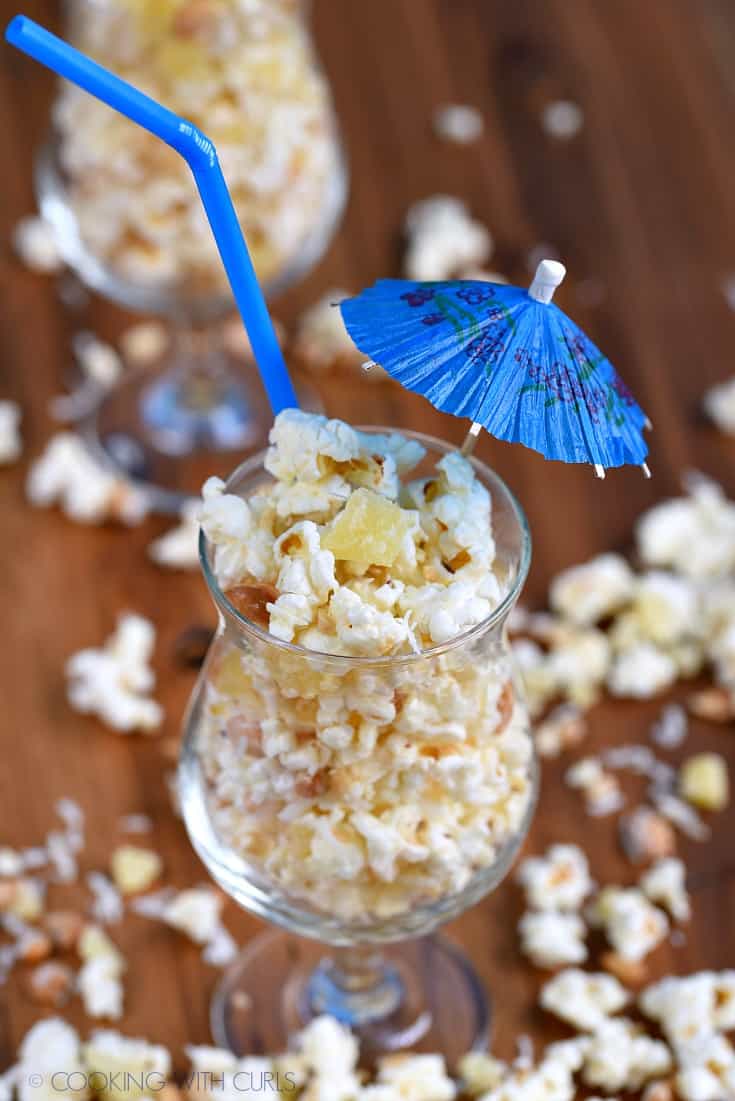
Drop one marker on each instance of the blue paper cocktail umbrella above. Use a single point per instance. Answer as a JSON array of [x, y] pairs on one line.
[[506, 358]]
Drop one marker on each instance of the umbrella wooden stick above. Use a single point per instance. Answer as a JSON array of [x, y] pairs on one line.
[[549, 275]]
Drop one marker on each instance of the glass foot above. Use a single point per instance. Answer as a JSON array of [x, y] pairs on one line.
[[171, 428], [421, 995]]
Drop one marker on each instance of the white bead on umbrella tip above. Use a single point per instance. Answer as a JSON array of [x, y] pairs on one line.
[[549, 274]]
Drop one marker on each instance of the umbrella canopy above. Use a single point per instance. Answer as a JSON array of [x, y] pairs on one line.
[[508, 359]]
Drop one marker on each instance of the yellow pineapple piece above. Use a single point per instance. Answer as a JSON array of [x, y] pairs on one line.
[[369, 530], [230, 678]]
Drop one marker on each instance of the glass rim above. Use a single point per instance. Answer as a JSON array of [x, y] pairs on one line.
[[498, 614]]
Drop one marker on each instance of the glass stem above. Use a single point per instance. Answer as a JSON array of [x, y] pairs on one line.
[[356, 986]]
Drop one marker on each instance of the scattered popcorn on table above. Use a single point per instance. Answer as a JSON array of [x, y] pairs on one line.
[[682, 815], [704, 781], [591, 592], [458, 123], [671, 727], [322, 342], [144, 343], [99, 983], [559, 880], [719, 405], [641, 671], [646, 835], [552, 939], [706, 1069], [690, 1006], [631, 924], [665, 883], [693, 535], [50, 1046], [135, 869], [562, 119], [50, 983], [410, 1077], [97, 359], [621, 1057], [601, 789], [11, 443], [66, 473], [442, 239], [178, 548], [113, 683], [121, 1061], [583, 999], [107, 903], [563, 728], [480, 1073], [330, 1053], [34, 240]]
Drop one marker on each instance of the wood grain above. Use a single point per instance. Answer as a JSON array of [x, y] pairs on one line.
[[638, 205]]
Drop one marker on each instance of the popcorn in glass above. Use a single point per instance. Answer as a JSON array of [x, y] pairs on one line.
[[358, 765]]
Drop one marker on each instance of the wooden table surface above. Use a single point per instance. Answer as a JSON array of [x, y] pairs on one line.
[[639, 205]]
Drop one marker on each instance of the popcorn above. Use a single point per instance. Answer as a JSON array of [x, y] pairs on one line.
[[582, 999], [356, 788], [480, 1072], [562, 119], [195, 912], [683, 816], [129, 1068], [98, 360], [666, 607], [112, 683], [692, 1006], [601, 789], [107, 906], [704, 781], [665, 883], [591, 592], [67, 474], [458, 123], [719, 405], [34, 240], [11, 444], [144, 343], [411, 1078], [552, 939], [330, 1053], [50, 983], [246, 73], [671, 728], [178, 549], [560, 880], [51, 1046], [646, 835], [641, 671], [442, 239], [632, 925], [99, 983], [621, 1058], [135, 869], [322, 341], [693, 535], [22, 898], [706, 1069], [563, 728]]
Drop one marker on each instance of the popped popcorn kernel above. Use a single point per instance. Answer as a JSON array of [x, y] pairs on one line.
[[719, 405], [665, 883], [11, 443], [552, 939], [704, 780], [631, 924], [442, 239], [583, 999], [559, 880], [591, 592], [480, 1072]]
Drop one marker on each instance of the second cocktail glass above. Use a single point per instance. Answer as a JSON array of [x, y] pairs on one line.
[[130, 224], [298, 858]]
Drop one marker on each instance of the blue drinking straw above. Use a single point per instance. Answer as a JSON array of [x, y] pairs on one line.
[[201, 156]]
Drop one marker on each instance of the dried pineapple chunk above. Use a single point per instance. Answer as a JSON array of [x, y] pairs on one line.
[[134, 869], [704, 781], [370, 530]]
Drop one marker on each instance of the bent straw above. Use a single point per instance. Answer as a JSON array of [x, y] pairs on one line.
[[201, 156]]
